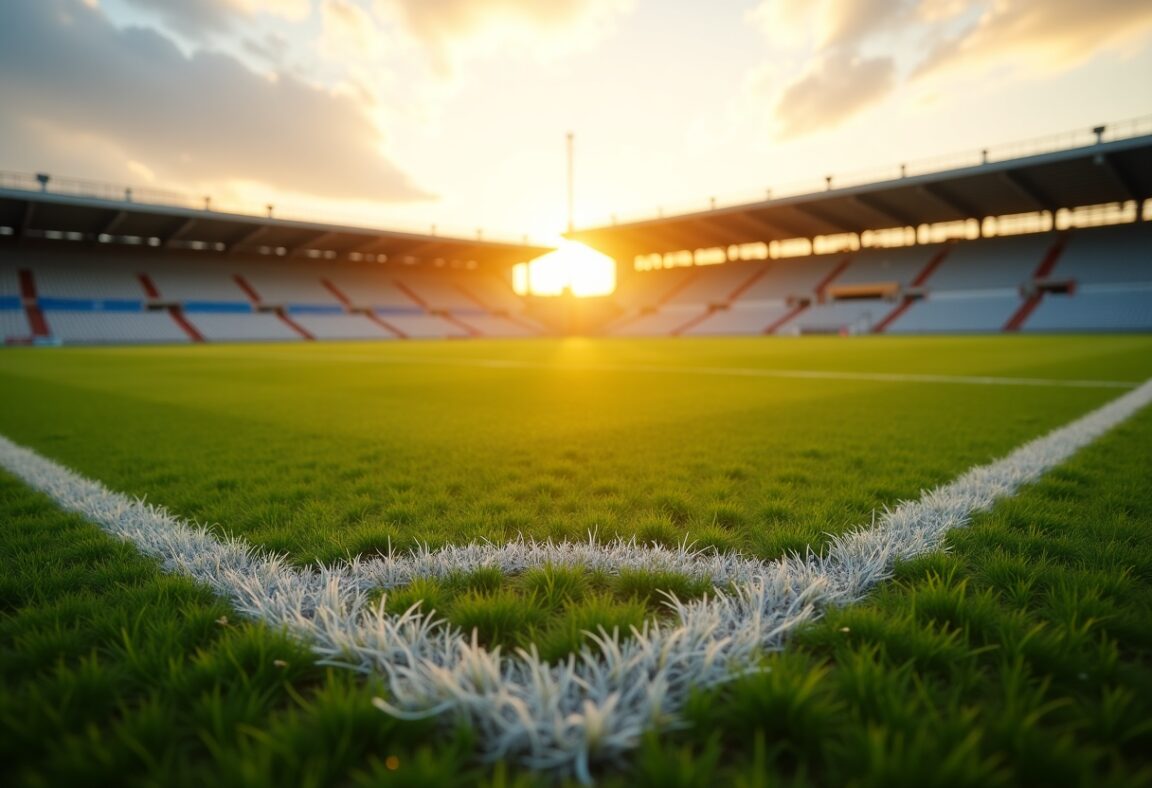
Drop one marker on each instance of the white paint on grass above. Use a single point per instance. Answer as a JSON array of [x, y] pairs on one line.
[[596, 705]]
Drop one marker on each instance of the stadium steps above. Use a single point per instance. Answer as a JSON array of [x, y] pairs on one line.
[[342, 297], [733, 296], [178, 317], [292, 324], [257, 302], [906, 303], [822, 285], [1017, 321], [384, 324], [819, 290], [744, 286], [692, 322], [444, 315], [36, 319], [174, 311], [777, 324], [505, 315]]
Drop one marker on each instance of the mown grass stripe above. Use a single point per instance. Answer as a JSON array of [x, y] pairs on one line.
[[741, 372], [597, 704]]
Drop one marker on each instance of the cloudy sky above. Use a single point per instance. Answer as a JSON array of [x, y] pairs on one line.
[[409, 113]]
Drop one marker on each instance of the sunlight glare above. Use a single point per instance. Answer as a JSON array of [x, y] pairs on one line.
[[573, 267]]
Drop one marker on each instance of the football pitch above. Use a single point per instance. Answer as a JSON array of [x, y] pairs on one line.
[[1018, 653]]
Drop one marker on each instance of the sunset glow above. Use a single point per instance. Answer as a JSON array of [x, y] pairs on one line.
[[454, 115], [573, 267]]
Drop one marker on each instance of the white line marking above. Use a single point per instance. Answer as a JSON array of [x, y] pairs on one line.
[[743, 372], [595, 706]]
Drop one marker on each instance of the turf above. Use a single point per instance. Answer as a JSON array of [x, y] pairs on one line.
[[329, 451], [326, 451]]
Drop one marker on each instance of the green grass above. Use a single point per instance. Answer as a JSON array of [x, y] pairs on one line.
[[1019, 657], [307, 453]]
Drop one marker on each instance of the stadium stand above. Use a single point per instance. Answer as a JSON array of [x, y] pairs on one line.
[[76, 268], [94, 297], [1097, 279], [1089, 279]]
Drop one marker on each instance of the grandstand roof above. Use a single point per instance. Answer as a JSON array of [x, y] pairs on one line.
[[48, 215], [1104, 172]]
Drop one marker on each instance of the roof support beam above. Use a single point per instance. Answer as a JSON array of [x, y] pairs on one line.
[[1119, 176], [314, 238], [1017, 183], [367, 247], [179, 228], [952, 201], [26, 218], [826, 218], [422, 250], [245, 237], [680, 238], [899, 218], [705, 234], [114, 220], [780, 229], [737, 229], [746, 229]]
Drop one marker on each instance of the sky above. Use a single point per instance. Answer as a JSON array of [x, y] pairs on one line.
[[409, 114]]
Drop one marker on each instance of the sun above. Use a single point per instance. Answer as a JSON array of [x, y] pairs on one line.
[[573, 268]]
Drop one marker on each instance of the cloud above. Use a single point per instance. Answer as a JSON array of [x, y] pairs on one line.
[[826, 24], [848, 55], [192, 120], [197, 17], [848, 25], [191, 17], [837, 88], [453, 30], [349, 30], [1039, 35]]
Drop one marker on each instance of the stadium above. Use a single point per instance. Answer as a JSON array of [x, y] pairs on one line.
[[1052, 242], [844, 484]]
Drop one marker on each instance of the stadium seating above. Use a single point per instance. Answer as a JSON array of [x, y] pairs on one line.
[[89, 326], [1098, 308], [855, 316], [742, 317], [13, 324], [437, 292], [9, 280], [986, 285], [796, 277], [203, 283], [958, 313], [72, 278], [251, 327], [901, 265], [1082, 280], [661, 322], [1107, 255], [286, 285], [715, 286], [341, 326], [99, 296], [419, 325], [994, 264]]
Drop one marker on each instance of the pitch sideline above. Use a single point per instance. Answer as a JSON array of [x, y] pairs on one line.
[[597, 704]]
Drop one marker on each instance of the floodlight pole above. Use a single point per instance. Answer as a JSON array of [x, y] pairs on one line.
[[571, 223]]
